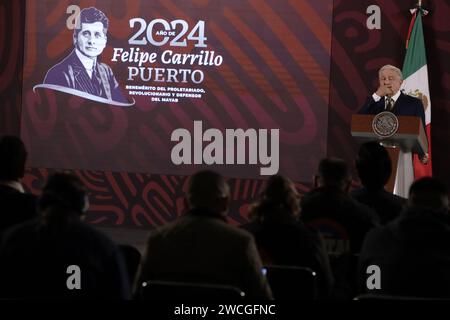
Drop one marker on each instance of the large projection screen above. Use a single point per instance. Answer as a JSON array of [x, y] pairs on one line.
[[171, 87]]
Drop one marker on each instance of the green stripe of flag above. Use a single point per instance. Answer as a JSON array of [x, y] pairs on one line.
[[415, 54]]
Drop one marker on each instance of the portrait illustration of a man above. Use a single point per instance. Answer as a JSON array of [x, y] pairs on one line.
[[81, 72]]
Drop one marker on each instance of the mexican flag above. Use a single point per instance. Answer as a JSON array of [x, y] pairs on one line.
[[415, 74]]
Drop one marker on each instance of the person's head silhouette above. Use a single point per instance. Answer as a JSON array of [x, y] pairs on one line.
[[278, 200], [373, 165], [333, 172], [208, 189], [13, 156], [429, 193], [63, 199]]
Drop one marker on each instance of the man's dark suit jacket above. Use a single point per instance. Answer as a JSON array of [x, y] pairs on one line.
[[202, 247], [71, 73], [404, 106], [48, 250], [387, 205], [15, 207]]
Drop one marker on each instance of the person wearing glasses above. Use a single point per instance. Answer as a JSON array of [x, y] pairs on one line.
[[81, 70]]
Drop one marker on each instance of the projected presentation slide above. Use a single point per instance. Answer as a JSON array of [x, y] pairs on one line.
[[172, 87]]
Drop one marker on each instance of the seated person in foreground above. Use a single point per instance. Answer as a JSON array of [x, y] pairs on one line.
[[413, 251], [37, 257], [201, 247], [342, 221], [16, 206], [281, 236]]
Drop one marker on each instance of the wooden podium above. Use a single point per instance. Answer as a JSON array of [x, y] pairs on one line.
[[410, 136]]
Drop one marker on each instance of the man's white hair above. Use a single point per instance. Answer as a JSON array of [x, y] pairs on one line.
[[393, 68]]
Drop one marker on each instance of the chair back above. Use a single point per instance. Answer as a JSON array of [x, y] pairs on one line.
[[132, 258], [172, 290], [291, 282], [345, 272]]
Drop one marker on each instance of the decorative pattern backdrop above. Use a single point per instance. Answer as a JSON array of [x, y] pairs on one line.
[[143, 200], [130, 199]]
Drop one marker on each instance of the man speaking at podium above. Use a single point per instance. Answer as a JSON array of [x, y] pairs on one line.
[[388, 97]]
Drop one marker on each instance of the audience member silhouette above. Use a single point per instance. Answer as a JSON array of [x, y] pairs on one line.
[[16, 206], [374, 169], [412, 251], [39, 258], [342, 221], [282, 238], [201, 247]]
